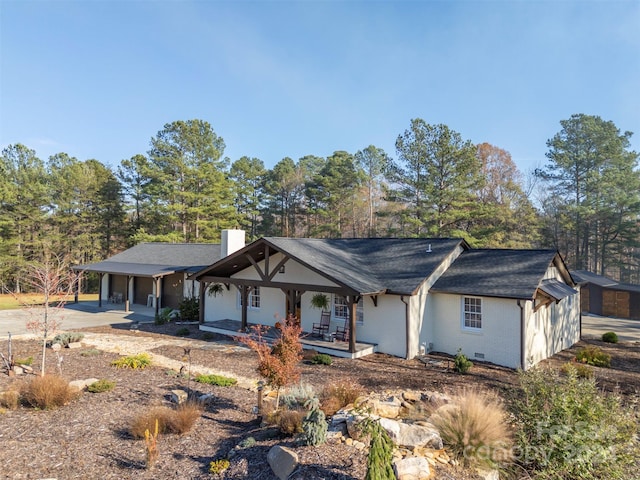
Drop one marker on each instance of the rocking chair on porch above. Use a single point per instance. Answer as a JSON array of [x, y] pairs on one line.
[[322, 327], [343, 333]]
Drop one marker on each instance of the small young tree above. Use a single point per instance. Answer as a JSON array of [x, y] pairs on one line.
[[278, 364], [55, 281]]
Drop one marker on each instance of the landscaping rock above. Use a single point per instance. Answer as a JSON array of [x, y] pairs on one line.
[[74, 345], [82, 384], [488, 474], [412, 468], [411, 396], [385, 407], [56, 347], [336, 431], [355, 427], [206, 399], [412, 435], [341, 416], [18, 370], [283, 461], [179, 396], [438, 398]]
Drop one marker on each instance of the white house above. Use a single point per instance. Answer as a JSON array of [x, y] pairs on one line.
[[402, 296]]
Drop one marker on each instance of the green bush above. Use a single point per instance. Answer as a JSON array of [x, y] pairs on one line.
[[314, 425], [566, 428], [101, 386], [580, 369], [183, 332], [461, 363], [379, 461], [189, 309], [208, 336], [164, 316], [91, 352], [321, 359], [218, 380], [296, 396], [65, 338], [136, 362], [247, 442], [610, 337], [24, 361], [593, 355]]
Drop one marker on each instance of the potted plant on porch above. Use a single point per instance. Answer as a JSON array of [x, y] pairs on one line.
[[321, 301]]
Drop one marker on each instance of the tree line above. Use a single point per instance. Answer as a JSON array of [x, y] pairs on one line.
[[585, 201]]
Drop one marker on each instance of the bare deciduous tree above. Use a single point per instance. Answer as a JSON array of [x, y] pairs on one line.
[[55, 281]]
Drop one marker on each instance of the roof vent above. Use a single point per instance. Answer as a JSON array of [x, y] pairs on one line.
[[429, 249]]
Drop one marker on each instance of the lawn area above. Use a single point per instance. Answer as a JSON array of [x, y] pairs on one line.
[[9, 302]]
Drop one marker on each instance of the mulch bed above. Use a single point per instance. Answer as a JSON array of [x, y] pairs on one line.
[[89, 438]]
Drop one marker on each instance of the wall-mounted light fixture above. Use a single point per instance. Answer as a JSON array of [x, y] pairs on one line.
[[281, 269]]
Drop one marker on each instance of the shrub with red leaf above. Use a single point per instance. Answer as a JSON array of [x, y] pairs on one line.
[[278, 363]]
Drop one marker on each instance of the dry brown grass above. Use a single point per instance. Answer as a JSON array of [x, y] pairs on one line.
[[339, 394], [474, 427], [48, 391], [10, 399], [288, 421], [184, 417], [179, 420], [146, 421]]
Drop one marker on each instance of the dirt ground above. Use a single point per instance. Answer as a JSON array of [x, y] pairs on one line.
[[89, 438]]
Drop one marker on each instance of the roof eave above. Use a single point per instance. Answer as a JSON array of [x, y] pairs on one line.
[[492, 295]]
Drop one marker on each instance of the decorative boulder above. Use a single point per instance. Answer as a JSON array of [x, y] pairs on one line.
[[411, 396], [412, 435], [388, 407], [412, 468], [355, 427], [82, 384], [488, 474], [179, 396], [283, 461]]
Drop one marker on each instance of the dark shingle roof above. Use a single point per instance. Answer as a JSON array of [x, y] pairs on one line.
[[367, 265], [156, 259], [496, 273], [584, 276], [371, 265]]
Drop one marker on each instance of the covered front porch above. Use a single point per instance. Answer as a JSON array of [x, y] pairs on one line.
[[336, 348]]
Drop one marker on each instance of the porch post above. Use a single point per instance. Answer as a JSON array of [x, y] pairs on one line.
[[77, 289], [244, 294], [292, 302], [157, 282], [353, 309], [126, 295], [203, 289], [100, 275]]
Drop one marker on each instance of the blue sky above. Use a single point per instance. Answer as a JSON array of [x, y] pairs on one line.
[[98, 79]]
